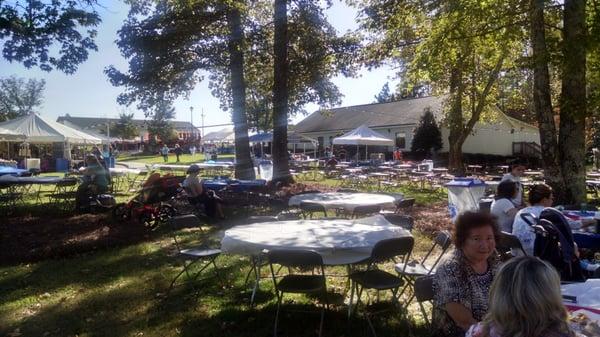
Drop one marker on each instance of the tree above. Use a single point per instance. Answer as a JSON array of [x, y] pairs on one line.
[[385, 96], [168, 44], [159, 126], [235, 47], [48, 35], [573, 101], [19, 97], [281, 168], [454, 47], [427, 136], [125, 127]]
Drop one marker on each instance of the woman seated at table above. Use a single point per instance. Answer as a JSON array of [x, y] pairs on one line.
[[95, 181], [462, 281], [503, 207], [540, 197], [525, 301], [197, 194]]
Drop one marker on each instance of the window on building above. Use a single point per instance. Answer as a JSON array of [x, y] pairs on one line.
[[401, 140]]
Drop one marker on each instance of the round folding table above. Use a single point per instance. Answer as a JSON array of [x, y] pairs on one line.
[[346, 201], [339, 241]]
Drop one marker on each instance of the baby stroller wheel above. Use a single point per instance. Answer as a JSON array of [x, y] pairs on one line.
[[121, 213], [149, 220], [165, 212]]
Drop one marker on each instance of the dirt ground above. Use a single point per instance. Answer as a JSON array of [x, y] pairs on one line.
[[29, 239], [33, 238]]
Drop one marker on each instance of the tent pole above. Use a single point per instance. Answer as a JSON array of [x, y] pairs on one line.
[[366, 153]]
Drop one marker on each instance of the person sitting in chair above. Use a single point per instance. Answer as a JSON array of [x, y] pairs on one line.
[[95, 180], [197, 194]]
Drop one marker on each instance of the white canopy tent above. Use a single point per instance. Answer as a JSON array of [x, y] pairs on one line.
[[41, 130], [362, 135], [225, 135], [7, 136]]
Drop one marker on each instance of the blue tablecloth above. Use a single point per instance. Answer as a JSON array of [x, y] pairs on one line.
[[587, 240], [234, 185], [11, 170]]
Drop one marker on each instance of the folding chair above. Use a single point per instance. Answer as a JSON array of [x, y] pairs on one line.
[[404, 206], [298, 283], [64, 191], [257, 263], [309, 208], [414, 269], [405, 221], [288, 215], [361, 211], [191, 256], [424, 293], [374, 278], [507, 242]]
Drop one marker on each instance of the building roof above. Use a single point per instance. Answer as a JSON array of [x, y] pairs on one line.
[[403, 112], [94, 122]]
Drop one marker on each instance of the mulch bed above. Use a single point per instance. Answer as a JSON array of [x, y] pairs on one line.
[[29, 239]]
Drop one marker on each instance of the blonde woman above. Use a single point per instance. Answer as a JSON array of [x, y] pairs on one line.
[[525, 301]]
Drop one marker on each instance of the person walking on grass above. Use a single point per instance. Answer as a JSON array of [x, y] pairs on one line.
[[178, 152], [164, 151]]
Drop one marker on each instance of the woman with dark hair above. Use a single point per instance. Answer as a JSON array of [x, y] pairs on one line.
[[462, 281], [540, 197], [502, 207]]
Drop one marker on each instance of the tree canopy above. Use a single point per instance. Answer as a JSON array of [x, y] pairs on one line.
[[19, 97], [125, 127], [48, 34]]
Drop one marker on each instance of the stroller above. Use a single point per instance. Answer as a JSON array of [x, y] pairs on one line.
[[150, 205], [554, 243]]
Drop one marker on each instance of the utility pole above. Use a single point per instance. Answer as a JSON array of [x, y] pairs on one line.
[[191, 122], [202, 115]]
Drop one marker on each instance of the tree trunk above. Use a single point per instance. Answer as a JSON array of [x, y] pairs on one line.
[[542, 104], [455, 122], [244, 169], [573, 108], [281, 168]]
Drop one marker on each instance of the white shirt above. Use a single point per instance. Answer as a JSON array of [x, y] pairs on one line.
[[518, 200], [500, 209], [188, 183], [525, 233]]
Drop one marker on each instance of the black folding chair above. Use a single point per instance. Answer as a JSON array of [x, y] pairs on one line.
[[405, 205], [414, 269], [405, 221], [375, 278], [191, 256], [507, 242], [424, 293], [362, 211], [298, 283], [309, 208]]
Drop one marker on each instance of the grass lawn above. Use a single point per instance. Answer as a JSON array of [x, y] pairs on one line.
[[184, 159], [121, 291]]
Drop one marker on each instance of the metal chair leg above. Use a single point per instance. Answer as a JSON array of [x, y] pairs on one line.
[[279, 297]]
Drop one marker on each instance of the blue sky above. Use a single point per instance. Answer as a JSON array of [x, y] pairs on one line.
[[89, 93]]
